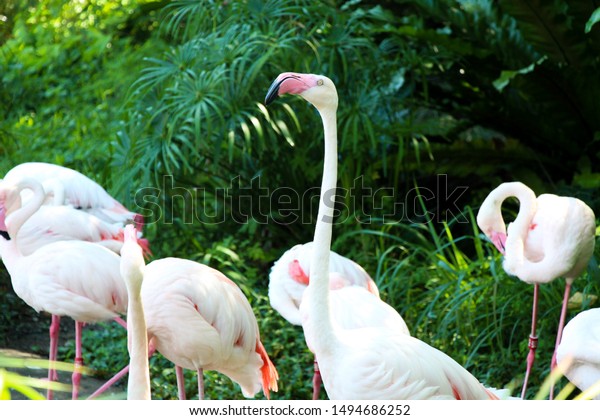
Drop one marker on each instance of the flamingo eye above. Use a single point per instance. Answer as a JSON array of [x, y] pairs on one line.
[[320, 82]]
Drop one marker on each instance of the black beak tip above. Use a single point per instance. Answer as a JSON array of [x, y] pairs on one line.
[[5, 235], [272, 93]]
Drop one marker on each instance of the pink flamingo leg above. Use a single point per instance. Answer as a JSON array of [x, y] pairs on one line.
[[76, 377], [533, 340], [122, 372], [200, 374], [109, 383], [316, 382], [54, 330], [180, 382], [561, 325]]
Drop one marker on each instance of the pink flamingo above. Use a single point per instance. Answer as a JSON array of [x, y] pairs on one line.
[[72, 187], [551, 237], [59, 223], [199, 319], [67, 278], [100, 218], [581, 345], [374, 362], [288, 281]]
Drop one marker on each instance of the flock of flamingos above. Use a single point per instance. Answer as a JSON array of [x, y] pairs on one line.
[[73, 250]]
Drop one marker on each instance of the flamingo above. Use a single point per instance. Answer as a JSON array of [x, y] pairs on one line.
[[131, 268], [66, 278], [288, 281], [58, 219], [551, 237], [199, 319], [59, 223], [373, 362], [581, 343], [75, 189]]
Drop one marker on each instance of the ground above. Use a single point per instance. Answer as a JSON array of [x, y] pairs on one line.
[[25, 334]]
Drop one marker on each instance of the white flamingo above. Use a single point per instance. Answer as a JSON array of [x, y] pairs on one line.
[[74, 188], [98, 218], [363, 363], [347, 281], [67, 278], [551, 237], [199, 319]]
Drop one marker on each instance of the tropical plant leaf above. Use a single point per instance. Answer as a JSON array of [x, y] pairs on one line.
[[595, 18], [547, 26]]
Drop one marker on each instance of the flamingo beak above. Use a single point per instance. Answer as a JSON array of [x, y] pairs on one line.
[[273, 92], [130, 233], [499, 241], [5, 235], [3, 217]]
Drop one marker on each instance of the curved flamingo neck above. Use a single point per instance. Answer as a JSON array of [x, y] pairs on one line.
[[58, 191], [318, 289], [515, 260], [16, 219], [527, 207]]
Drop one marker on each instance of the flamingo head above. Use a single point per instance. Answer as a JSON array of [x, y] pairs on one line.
[[495, 233], [499, 241], [318, 90], [489, 220], [3, 218], [10, 200], [132, 260]]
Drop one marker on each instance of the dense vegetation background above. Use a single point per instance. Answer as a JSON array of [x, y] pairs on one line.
[[161, 103]]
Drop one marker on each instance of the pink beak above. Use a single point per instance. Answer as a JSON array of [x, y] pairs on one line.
[[130, 234], [3, 218], [499, 241]]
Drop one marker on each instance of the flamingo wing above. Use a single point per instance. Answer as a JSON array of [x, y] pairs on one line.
[[201, 319], [57, 223], [73, 278]]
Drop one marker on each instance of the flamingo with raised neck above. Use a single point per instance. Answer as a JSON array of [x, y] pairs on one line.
[[373, 362]]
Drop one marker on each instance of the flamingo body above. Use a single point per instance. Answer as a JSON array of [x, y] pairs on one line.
[[75, 208], [199, 319], [65, 223], [76, 189], [581, 343], [73, 278], [286, 288]]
